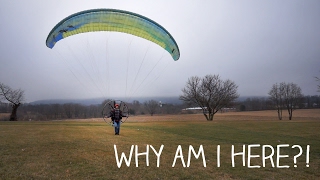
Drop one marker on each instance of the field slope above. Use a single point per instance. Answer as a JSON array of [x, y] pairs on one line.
[[84, 149]]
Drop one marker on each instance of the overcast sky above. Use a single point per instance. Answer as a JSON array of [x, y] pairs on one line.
[[254, 43]]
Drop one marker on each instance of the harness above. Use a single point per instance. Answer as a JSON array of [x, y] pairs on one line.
[[117, 115]]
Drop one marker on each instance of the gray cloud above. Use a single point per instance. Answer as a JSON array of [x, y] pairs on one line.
[[254, 43]]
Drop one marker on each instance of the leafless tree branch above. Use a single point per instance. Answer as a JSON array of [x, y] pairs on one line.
[[14, 97], [210, 93]]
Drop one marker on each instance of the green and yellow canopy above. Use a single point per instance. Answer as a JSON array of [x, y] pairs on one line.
[[113, 20]]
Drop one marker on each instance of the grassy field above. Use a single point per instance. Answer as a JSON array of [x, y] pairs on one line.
[[84, 149]]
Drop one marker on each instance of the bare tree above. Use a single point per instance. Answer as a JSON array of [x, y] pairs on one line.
[[318, 79], [286, 95], [14, 97], [151, 106], [210, 93], [277, 97], [69, 110], [292, 97], [135, 107]]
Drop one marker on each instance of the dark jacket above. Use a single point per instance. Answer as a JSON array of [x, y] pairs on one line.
[[116, 115]]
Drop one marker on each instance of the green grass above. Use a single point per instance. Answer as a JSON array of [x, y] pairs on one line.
[[85, 150]]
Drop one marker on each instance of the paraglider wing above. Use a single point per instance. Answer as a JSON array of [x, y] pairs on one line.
[[113, 20]]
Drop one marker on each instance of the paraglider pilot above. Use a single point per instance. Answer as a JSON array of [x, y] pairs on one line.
[[116, 116]]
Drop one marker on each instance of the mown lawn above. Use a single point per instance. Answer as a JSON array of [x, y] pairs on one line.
[[85, 149]]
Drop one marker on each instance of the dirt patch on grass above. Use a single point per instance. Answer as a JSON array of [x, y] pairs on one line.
[[301, 114], [4, 116]]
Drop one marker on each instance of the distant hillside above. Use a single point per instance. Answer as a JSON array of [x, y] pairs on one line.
[[243, 98], [94, 101]]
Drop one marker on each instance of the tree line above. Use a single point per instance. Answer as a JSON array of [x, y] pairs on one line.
[[210, 93], [43, 112], [79, 111], [265, 103]]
